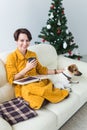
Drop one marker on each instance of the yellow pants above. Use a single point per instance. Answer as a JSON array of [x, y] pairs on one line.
[[35, 93]]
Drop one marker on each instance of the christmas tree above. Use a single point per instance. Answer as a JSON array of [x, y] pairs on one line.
[[56, 31]]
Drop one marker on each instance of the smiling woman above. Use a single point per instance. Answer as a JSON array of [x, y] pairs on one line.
[[22, 37], [17, 66]]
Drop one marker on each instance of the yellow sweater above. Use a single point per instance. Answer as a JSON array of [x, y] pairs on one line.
[[35, 93]]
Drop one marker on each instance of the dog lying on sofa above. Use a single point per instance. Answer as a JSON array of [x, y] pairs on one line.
[[66, 78]]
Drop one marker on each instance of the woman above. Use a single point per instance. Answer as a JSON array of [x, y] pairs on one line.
[[18, 66]]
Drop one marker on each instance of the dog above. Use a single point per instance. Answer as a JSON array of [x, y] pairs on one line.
[[65, 78]]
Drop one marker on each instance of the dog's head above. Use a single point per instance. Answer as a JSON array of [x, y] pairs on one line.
[[74, 70]]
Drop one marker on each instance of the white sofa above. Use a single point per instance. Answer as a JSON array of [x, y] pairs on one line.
[[51, 116]]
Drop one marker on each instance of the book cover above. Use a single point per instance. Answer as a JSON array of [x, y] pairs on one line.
[[30, 79]]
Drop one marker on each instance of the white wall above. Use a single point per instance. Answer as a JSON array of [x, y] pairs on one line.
[[14, 14], [33, 15], [76, 13]]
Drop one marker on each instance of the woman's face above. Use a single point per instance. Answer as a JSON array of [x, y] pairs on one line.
[[23, 43]]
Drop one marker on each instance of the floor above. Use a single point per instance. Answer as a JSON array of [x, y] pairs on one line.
[[78, 121]]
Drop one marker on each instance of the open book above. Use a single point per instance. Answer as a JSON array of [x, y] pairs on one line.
[[30, 79]]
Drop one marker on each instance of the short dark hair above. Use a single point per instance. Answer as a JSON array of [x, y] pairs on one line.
[[22, 30]]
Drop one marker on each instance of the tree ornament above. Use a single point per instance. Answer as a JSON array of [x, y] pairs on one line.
[[58, 31], [43, 40], [78, 57], [70, 52], [48, 26], [51, 16], [59, 22], [71, 43], [63, 11], [52, 6], [64, 45]]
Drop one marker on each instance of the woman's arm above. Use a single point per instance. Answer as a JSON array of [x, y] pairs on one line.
[[55, 71]]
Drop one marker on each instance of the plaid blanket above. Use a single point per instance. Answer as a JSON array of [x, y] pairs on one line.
[[16, 110]]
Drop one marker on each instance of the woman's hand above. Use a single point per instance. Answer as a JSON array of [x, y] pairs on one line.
[[30, 65]]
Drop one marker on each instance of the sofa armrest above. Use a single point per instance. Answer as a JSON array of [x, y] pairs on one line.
[[6, 92], [4, 125], [64, 61]]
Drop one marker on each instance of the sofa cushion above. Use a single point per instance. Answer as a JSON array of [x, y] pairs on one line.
[[46, 54], [16, 110], [46, 120], [65, 109], [81, 88]]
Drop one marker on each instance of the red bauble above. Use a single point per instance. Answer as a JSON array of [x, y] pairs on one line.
[[52, 6], [43, 40], [70, 52], [78, 57], [58, 31], [62, 11]]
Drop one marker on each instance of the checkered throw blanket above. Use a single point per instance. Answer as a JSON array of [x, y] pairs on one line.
[[16, 110]]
